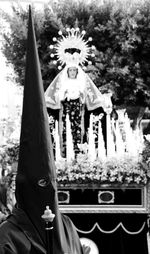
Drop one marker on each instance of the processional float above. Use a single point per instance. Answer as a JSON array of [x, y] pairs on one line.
[[106, 176]]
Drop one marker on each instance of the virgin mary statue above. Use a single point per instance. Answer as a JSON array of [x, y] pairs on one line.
[[71, 94]]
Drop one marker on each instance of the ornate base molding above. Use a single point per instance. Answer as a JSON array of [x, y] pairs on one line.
[[108, 198]]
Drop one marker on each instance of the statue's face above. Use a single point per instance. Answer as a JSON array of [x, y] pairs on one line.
[[72, 72]]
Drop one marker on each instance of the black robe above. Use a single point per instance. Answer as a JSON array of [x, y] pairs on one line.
[[19, 236]]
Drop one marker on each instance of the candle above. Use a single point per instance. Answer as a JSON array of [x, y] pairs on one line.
[[101, 144], [109, 138], [131, 146], [120, 146], [91, 146]]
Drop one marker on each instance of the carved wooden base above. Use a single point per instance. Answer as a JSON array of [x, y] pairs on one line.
[[108, 198]]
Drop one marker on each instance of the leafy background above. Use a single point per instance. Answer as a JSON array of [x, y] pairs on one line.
[[120, 31]]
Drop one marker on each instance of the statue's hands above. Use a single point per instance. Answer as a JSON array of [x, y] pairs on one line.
[[86, 249], [62, 95], [66, 95], [82, 98]]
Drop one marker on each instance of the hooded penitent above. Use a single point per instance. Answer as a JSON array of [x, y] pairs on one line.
[[36, 177]]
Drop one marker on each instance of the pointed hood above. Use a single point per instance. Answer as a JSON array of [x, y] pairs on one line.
[[36, 174]]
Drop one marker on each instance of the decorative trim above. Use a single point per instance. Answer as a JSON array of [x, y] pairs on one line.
[[66, 195], [72, 47], [109, 194], [148, 197], [143, 208], [96, 225]]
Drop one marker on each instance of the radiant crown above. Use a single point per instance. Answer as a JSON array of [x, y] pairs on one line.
[[72, 48]]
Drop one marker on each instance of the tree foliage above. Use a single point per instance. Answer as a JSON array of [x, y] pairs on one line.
[[120, 32]]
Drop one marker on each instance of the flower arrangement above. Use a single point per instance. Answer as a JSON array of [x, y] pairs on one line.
[[124, 170]]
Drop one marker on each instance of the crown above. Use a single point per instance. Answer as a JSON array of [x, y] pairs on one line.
[[72, 49]]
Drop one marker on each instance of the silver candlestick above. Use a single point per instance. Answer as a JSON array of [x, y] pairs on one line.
[[48, 217]]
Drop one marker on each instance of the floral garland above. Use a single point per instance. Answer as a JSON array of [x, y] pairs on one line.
[[83, 171]]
